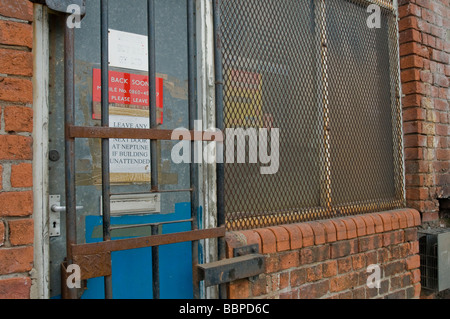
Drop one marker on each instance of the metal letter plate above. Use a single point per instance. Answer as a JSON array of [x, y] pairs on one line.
[[134, 204]]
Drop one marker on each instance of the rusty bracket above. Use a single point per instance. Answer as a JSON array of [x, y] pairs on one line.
[[227, 270], [246, 263], [62, 5], [246, 250]]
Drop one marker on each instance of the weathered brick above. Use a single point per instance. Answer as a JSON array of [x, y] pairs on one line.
[[351, 228], [16, 204], [272, 263], [314, 254], [16, 62], [341, 229], [330, 230], [18, 119], [343, 282], [394, 268], [314, 290], [22, 175], [329, 268], [401, 294], [344, 248], [415, 276], [414, 247], [417, 290], [344, 264], [239, 289], [16, 260], [19, 9], [393, 238], [314, 273], [413, 262], [268, 239], [15, 288], [370, 242], [251, 237], [319, 232], [359, 293], [15, 147], [379, 227], [307, 234], [359, 261], [16, 90], [21, 232], [289, 260], [400, 281], [295, 236], [298, 277], [15, 33], [282, 238], [410, 234]]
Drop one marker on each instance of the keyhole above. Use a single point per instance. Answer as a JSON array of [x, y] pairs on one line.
[[54, 224]]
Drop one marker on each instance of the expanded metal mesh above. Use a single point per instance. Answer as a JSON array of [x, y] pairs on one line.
[[314, 70], [428, 251]]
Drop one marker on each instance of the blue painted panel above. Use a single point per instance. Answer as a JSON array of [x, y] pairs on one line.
[[132, 269]]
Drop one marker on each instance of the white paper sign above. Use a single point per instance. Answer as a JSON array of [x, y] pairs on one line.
[[128, 155], [128, 50]]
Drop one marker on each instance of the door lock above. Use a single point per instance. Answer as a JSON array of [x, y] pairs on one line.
[[55, 209], [54, 156]]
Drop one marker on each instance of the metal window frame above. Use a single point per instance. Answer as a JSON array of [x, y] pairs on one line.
[[326, 210]]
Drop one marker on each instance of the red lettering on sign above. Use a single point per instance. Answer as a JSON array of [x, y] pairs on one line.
[[128, 89]]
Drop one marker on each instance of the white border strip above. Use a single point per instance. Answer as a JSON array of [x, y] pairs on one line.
[[40, 288]]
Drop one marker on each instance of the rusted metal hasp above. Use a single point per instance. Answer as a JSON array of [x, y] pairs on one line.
[[129, 133], [227, 270], [146, 241]]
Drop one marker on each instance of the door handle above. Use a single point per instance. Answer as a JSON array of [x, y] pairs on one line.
[[56, 208]]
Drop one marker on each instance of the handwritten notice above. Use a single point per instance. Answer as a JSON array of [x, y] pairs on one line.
[[128, 50]]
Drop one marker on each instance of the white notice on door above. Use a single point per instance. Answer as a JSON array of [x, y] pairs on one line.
[[128, 50], [129, 155]]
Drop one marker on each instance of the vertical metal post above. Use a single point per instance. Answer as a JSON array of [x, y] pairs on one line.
[[155, 264], [153, 124], [106, 188], [220, 167], [192, 117], [69, 118], [152, 90], [322, 34]]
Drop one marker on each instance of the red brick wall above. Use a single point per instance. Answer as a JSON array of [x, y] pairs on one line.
[[425, 71], [16, 127], [329, 259]]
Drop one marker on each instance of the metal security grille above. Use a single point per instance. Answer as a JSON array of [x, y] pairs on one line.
[[330, 84]]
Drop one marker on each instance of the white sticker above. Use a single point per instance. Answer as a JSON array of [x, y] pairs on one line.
[[128, 50]]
